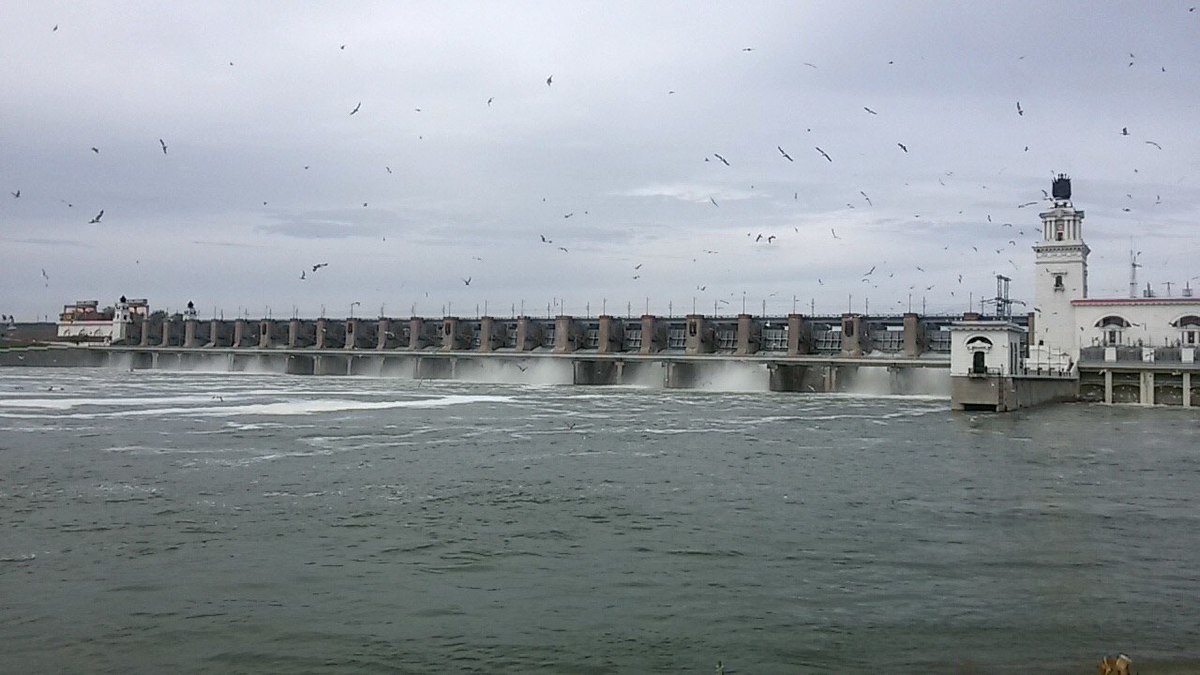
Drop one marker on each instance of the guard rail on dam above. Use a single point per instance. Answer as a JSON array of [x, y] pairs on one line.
[[790, 353]]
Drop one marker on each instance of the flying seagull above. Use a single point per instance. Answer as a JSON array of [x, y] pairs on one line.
[[16, 195], [785, 155], [97, 218], [1154, 144], [319, 266], [302, 277], [163, 144], [545, 240], [467, 281], [549, 80], [1019, 111], [95, 150], [835, 235], [723, 160], [356, 108], [714, 202], [869, 110], [866, 198], [1124, 131], [493, 98], [823, 154], [903, 147]]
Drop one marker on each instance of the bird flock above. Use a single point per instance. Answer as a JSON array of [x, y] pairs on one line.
[[878, 272]]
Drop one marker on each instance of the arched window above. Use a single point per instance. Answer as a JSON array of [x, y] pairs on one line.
[[1112, 328], [1189, 330]]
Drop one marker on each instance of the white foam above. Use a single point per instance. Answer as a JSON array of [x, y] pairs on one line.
[[68, 403], [293, 407]]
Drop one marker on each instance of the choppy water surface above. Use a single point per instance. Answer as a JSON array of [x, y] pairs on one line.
[[160, 522]]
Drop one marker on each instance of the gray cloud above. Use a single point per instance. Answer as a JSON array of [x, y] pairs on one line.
[[608, 143]]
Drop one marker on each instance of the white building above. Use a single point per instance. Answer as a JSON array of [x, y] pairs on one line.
[[86, 322], [1065, 319]]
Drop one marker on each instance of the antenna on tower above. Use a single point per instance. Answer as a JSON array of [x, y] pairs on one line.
[[1133, 268]]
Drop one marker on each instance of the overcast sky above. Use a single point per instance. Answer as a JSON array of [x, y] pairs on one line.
[[464, 153]]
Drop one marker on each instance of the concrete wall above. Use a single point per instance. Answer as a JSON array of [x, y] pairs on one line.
[[1004, 394]]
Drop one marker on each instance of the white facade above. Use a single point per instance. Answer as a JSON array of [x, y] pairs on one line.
[[1061, 269], [107, 331], [1139, 322], [92, 331], [980, 348], [1066, 319]]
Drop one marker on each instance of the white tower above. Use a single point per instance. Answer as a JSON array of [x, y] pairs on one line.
[[1061, 276]]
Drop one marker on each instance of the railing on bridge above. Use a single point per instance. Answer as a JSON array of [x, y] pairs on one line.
[[1131, 354]]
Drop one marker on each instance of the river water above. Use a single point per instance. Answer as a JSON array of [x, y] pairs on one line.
[[204, 522]]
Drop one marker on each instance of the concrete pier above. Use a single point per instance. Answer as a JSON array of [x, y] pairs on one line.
[[914, 335], [491, 334], [596, 372], [800, 339], [190, 339], [568, 335], [422, 334], [855, 339], [701, 337], [529, 334], [610, 335], [390, 335], [456, 334], [654, 334], [749, 335]]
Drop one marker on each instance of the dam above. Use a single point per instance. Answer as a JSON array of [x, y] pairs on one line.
[[896, 354]]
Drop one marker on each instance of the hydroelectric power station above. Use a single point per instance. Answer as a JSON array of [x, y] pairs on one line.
[[1139, 350]]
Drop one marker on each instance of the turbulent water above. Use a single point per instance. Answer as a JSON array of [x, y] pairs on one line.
[[172, 522]]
